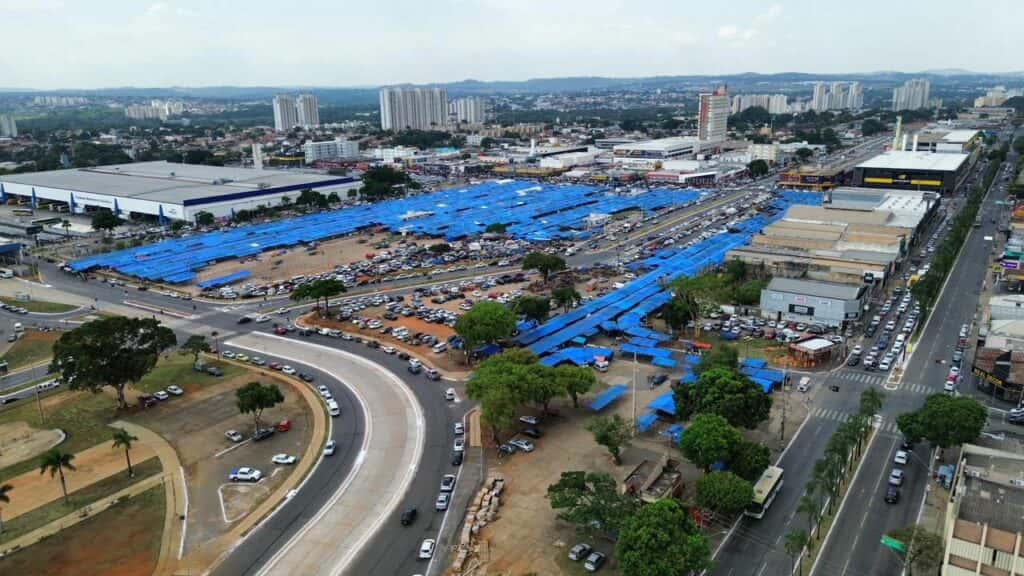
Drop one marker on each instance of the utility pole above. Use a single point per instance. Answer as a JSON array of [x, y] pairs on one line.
[[634, 394], [785, 404]]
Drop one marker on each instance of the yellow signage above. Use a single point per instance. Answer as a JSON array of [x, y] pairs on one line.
[[878, 180]]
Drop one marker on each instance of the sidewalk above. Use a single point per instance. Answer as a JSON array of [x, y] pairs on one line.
[[471, 476], [175, 498], [81, 514]]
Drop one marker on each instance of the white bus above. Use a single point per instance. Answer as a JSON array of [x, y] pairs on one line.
[[765, 490]]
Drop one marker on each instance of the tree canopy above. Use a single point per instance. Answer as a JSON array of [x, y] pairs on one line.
[[757, 168], [727, 393], [113, 352], [661, 540], [944, 420], [749, 459], [544, 263], [591, 501], [924, 548], [533, 307], [722, 356], [195, 345], [105, 220], [724, 492], [496, 228], [255, 397], [576, 380], [709, 439], [611, 432], [325, 288], [566, 297], [486, 322]]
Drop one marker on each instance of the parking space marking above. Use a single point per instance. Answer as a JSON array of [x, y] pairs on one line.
[[230, 448]]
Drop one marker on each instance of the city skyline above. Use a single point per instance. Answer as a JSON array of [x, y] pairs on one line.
[[665, 40]]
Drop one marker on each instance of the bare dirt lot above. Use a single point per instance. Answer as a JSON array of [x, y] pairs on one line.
[[297, 261], [19, 441]]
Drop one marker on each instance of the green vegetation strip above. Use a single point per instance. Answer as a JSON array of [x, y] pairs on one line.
[[177, 369], [39, 305], [30, 349], [57, 509]]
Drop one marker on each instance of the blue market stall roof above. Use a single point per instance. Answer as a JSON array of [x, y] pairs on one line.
[[602, 400], [645, 421], [223, 280], [531, 211], [673, 432], [664, 403]]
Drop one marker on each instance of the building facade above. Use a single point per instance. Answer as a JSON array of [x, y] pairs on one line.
[[8, 127], [307, 111], [471, 110], [286, 116], [713, 115], [827, 303], [413, 109], [330, 149], [913, 95]]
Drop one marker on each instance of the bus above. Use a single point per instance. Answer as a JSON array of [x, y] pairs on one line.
[[765, 490]]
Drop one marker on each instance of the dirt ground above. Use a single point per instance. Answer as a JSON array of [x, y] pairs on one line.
[[19, 441], [96, 463], [130, 543], [295, 261], [528, 538], [239, 499]]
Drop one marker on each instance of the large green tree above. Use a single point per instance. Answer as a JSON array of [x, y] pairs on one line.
[[575, 380], [195, 345], [326, 288], [749, 459], [566, 297], [543, 263], [533, 307], [611, 432], [709, 439], [486, 322], [501, 384], [105, 220], [944, 420], [113, 352], [699, 294], [255, 397], [795, 542], [722, 356], [661, 540], [724, 492], [727, 393], [55, 461], [591, 501], [757, 168], [924, 549]]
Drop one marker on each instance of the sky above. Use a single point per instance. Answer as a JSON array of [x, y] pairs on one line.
[[52, 44]]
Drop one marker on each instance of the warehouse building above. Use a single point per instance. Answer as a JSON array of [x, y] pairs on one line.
[[164, 190], [826, 303], [921, 171]]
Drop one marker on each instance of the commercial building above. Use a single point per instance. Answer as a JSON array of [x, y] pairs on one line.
[[983, 531], [164, 189], [996, 97], [286, 116], [660, 149], [945, 140], [471, 110], [406, 108], [568, 160], [811, 177], [307, 112], [913, 95], [826, 303], [330, 150], [713, 115], [923, 171]]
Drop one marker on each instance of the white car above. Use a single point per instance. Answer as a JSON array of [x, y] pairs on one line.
[[427, 549], [448, 483], [288, 370], [282, 310], [262, 318], [228, 354], [458, 428], [329, 448], [459, 445], [161, 395], [323, 391], [857, 350], [175, 390], [388, 349], [234, 436], [531, 420], [523, 445], [449, 394], [901, 457], [245, 475], [283, 459]]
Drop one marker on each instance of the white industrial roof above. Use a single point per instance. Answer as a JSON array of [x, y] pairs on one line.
[[959, 136], [660, 144], [907, 160], [165, 181]]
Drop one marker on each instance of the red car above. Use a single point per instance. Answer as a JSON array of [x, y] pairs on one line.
[[284, 425], [275, 365], [280, 331]]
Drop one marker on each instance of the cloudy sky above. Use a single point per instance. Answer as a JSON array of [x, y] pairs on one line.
[[102, 43]]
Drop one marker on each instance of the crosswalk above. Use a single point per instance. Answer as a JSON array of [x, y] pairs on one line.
[[887, 425], [918, 388], [869, 378]]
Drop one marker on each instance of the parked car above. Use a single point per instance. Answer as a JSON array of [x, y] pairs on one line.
[[447, 482], [172, 389], [458, 429], [896, 477], [262, 434], [531, 420], [457, 459], [521, 444], [234, 436], [531, 432], [214, 371], [427, 549], [329, 448], [245, 475], [579, 552], [283, 459], [443, 499], [594, 562], [892, 495], [459, 444], [901, 457]]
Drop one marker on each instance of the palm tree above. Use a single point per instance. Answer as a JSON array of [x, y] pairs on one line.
[[67, 228], [871, 402], [4, 489], [811, 507], [795, 542], [55, 461], [124, 438]]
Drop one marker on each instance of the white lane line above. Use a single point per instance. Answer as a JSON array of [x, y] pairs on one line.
[[230, 448], [444, 519]]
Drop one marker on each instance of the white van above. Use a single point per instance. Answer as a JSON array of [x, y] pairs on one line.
[[6, 273], [805, 384], [440, 347], [333, 408], [18, 327]]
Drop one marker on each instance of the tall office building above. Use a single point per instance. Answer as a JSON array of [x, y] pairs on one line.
[[773, 103], [413, 109], [306, 111], [713, 115], [8, 127], [855, 98], [819, 101], [470, 110], [286, 116], [913, 95]]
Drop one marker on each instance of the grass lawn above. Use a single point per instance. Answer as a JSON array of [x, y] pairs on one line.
[[31, 348], [177, 369], [93, 315], [39, 305], [130, 533], [79, 498]]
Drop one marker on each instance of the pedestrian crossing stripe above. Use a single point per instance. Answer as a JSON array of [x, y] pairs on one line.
[[840, 416]]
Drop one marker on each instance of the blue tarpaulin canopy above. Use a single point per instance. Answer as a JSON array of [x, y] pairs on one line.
[[754, 363], [222, 280], [765, 385], [663, 403], [607, 397], [645, 421], [675, 432], [688, 378]]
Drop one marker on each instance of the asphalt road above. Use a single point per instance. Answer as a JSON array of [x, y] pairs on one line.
[[854, 547]]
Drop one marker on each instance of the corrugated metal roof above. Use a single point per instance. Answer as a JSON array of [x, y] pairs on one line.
[[816, 289]]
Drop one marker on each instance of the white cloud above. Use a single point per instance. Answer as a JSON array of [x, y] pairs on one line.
[[727, 32]]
